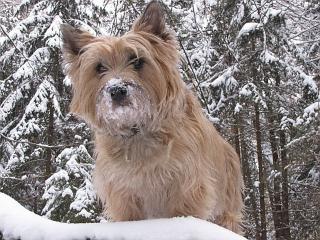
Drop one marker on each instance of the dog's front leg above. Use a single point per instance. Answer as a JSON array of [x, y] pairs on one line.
[[119, 203], [195, 202], [124, 207], [231, 221]]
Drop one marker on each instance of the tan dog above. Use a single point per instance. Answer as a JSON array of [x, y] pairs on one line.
[[157, 155]]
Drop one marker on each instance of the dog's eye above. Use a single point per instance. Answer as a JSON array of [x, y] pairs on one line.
[[136, 62], [100, 68]]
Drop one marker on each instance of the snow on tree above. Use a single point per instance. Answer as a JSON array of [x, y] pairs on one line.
[[254, 87], [36, 129], [69, 191]]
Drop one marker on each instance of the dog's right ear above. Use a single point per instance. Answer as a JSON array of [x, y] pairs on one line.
[[153, 21], [73, 41]]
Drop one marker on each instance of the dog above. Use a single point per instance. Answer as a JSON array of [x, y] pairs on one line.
[[157, 156]]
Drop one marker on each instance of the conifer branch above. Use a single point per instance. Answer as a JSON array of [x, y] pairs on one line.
[[39, 144]]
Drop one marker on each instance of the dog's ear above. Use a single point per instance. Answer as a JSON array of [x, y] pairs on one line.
[[73, 41], [152, 21]]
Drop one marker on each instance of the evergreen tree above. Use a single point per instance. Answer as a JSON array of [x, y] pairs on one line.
[[260, 96], [36, 129]]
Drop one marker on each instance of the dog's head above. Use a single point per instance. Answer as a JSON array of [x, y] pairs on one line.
[[125, 84]]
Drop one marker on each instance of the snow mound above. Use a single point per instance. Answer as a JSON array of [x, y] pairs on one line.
[[17, 222]]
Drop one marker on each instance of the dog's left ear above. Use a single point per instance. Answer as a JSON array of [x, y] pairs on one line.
[[73, 41], [153, 21]]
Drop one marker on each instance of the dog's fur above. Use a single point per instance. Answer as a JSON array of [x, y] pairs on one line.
[[157, 154]]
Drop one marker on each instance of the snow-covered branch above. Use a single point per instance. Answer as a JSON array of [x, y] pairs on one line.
[[33, 144], [18, 223]]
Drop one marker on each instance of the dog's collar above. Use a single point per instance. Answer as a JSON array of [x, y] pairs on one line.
[[135, 130]]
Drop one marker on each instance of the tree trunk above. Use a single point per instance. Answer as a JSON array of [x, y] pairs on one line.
[[48, 170], [256, 122], [242, 149], [285, 190], [276, 195]]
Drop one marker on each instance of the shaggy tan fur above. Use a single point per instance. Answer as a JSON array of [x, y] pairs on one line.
[[176, 164]]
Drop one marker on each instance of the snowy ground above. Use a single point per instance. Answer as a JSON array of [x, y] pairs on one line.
[[17, 222]]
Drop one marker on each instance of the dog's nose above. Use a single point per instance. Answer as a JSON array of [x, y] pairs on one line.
[[118, 93]]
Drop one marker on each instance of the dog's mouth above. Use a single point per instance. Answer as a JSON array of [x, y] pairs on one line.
[[122, 108]]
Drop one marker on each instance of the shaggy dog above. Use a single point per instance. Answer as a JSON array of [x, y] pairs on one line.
[[157, 156]]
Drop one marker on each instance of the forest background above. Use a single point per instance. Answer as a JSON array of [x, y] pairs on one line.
[[255, 65]]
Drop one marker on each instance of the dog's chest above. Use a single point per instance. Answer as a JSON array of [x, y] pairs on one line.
[[150, 185], [155, 204]]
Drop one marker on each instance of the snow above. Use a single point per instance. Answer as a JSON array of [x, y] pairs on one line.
[[39, 101], [311, 112], [315, 175], [52, 191], [213, 119], [312, 108], [67, 81], [62, 174], [114, 81], [7, 56], [98, 3], [239, 16], [78, 137], [298, 121], [84, 197], [72, 180], [271, 13], [268, 57], [38, 59], [238, 108], [274, 12], [212, 2], [18, 32], [226, 80], [17, 222], [84, 213], [2, 40], [308, 81], [245, 90], [24, 177], [286, 122], [248, 28], [53, 33], [8, 104], [37, 104], [66, 192], [85, 27]]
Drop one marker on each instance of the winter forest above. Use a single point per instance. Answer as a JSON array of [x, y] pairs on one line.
[[255, 65]]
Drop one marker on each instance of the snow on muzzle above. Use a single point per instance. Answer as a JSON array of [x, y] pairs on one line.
[[123, 106]]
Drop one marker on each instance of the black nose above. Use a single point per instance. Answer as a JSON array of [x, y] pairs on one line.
[[118, 93]]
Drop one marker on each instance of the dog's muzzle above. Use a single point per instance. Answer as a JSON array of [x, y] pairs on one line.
[[123, 107]]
